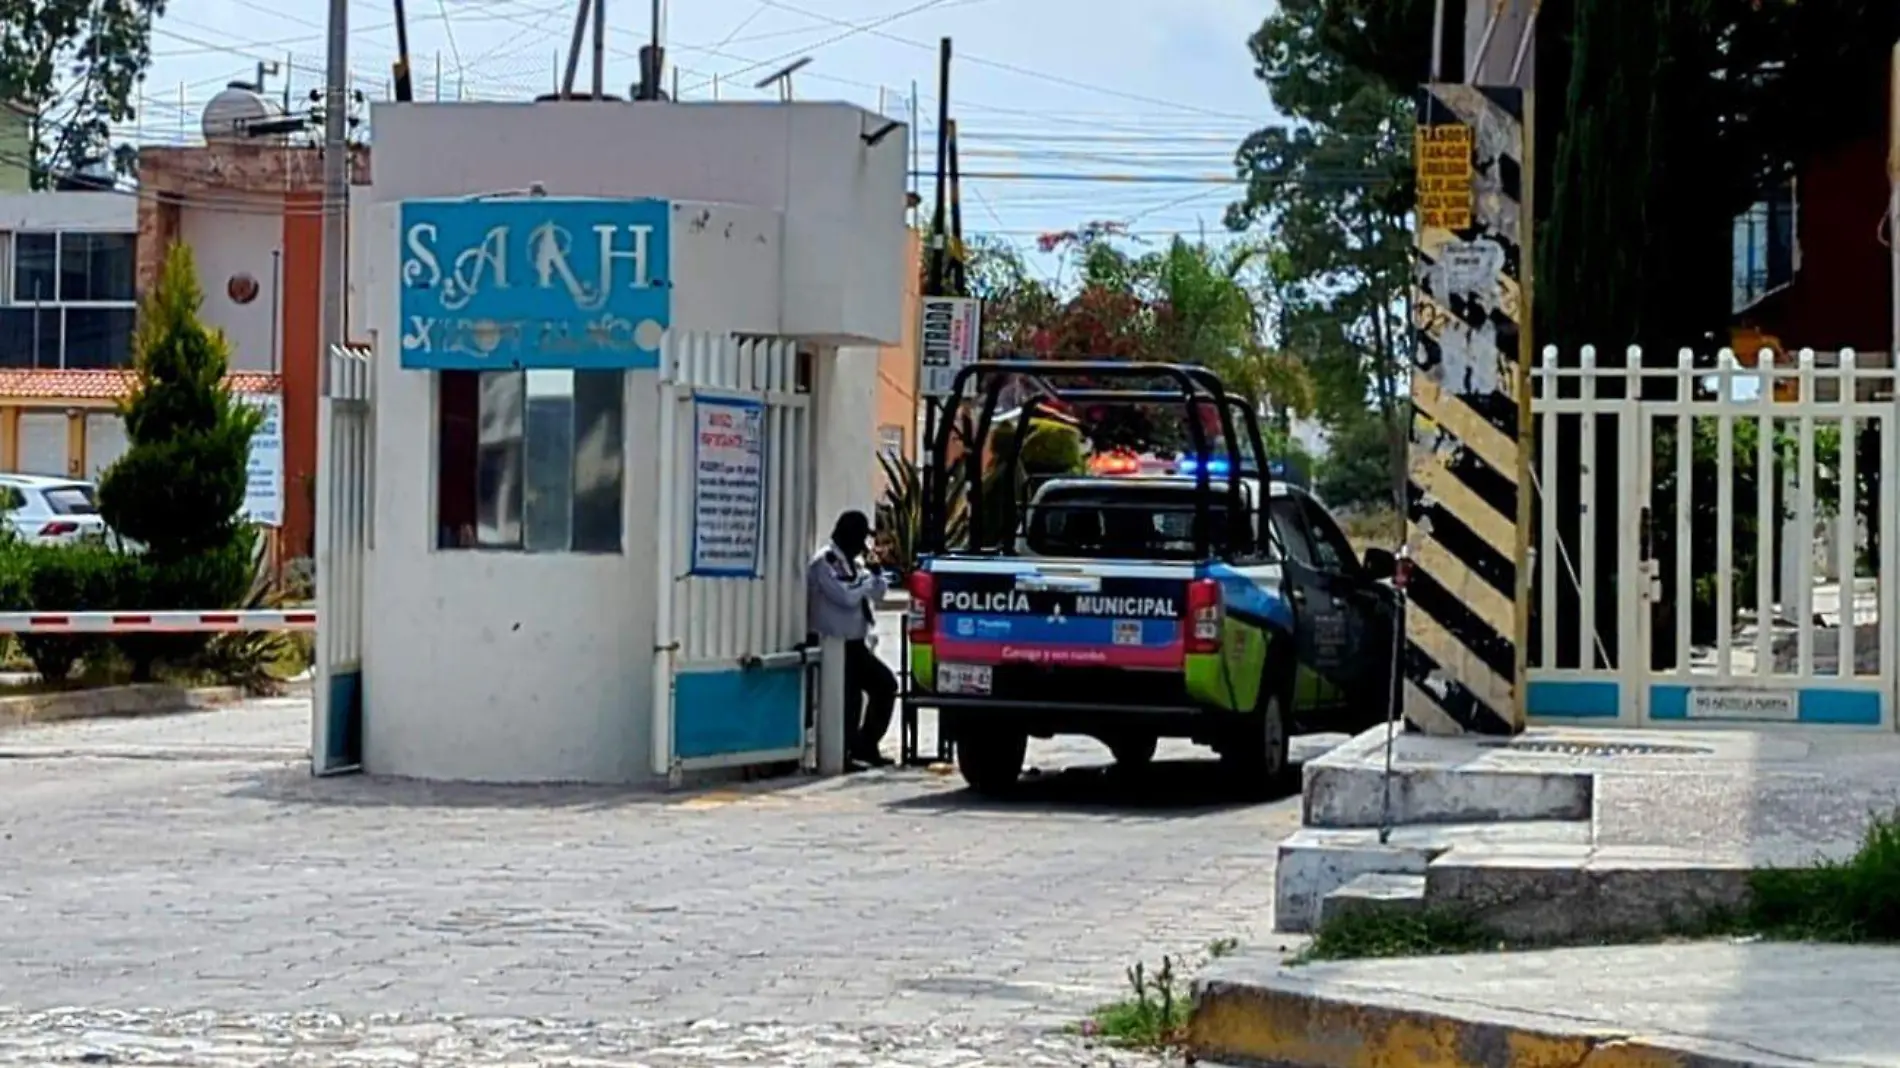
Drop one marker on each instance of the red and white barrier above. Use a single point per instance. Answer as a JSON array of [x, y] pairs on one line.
[[154, 622]]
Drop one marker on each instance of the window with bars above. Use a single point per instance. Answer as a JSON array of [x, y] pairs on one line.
[[1767, 250], [70, 300]]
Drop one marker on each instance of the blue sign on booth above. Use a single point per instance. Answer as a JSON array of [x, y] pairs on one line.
[[535, 283]]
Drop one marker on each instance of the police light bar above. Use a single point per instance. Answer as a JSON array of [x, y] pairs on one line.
[[1114, 463]]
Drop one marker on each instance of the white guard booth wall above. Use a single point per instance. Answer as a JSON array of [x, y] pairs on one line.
[[787, 238]]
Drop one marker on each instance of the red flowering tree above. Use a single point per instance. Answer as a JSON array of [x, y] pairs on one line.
[[1112, 299]]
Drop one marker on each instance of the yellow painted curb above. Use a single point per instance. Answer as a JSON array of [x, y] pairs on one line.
[[1296, 1028]]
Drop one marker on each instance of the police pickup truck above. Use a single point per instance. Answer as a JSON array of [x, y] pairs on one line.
[[1110, 617]]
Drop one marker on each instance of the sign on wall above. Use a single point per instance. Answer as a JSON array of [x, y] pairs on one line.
[[264, 473], [728, 486], [1444, 176], [535, 283], [951, 328]]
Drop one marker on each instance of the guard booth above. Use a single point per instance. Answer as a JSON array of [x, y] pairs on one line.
[[620, 369]]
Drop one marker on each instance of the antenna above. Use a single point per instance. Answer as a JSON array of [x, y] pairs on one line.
[[783, 78]]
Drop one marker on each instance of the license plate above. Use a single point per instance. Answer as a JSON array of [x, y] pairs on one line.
[[969, 679], [1128, 632]]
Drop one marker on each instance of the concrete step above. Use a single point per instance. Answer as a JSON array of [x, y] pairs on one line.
[[1316, 861], [1575, 893], [1438, 780], [1378, 893]]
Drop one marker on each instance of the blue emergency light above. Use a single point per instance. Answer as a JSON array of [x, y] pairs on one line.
[[1188, 465]]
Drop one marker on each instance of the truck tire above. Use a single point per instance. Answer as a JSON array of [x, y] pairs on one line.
[[1257, 754], [1133, 750], [991, 761]]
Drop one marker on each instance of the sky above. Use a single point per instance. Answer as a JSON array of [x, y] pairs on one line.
[[1068, 111]]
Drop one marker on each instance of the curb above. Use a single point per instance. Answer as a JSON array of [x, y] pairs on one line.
[[112, 702], [1291, 1022]]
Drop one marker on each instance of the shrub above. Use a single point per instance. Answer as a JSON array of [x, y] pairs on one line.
[[246, 658], [76, 578], [1049, 449], [900, 515]]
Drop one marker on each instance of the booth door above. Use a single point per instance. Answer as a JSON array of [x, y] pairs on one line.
[[344, 495], [737, 526]]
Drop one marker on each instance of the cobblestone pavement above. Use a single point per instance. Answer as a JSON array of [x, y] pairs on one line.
[[181, 892]]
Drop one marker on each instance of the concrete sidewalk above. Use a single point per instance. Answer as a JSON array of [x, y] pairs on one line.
[[1711, 1005]]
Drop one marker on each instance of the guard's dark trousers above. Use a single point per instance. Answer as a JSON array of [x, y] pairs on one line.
[[870, 693]]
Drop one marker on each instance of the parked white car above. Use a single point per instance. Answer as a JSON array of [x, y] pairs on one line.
[[51, 511]]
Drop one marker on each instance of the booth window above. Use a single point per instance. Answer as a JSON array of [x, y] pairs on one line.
[[530, 460]]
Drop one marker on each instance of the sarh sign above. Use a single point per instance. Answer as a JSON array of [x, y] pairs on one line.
[[493, 285]]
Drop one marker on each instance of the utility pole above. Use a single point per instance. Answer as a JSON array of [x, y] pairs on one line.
[[332, 329], [957, 277], [938, 238]]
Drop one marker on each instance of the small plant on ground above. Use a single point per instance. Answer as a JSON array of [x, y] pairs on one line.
[[179, 488], [1852, 900], [1221, 947], [1153, 1017]]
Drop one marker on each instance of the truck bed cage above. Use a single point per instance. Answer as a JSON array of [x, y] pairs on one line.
[[1198, 390]]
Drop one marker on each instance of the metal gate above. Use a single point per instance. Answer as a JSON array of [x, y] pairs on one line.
[[345, 460], [736, 528], [1744, 578]]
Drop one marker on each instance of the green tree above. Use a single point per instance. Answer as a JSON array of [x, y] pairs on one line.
[[1333, 185], [1015, 304], [76, 67], [179, 488], [1357, 469]]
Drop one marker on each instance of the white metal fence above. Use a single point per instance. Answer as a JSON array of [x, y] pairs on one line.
[[1682, 583], [345, 476], [729, 677]]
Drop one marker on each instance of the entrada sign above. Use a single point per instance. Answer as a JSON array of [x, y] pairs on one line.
[[535, 283]]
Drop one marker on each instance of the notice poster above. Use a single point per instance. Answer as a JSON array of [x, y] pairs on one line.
[[952, 329], [264, 473], [728, 486], [1444, 176]]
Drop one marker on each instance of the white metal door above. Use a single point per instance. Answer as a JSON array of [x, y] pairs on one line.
[[1583, 668], [736, 528], [1779, 609], [345, 473]]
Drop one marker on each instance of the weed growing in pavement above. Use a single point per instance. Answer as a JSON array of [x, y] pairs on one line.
[[1372, 934], [1153, 1018], [1221, 947], [1852, 900]]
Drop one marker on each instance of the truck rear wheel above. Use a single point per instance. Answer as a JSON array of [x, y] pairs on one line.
[[991, 761]]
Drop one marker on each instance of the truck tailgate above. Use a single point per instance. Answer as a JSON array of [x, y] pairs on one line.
[[1054, 615]]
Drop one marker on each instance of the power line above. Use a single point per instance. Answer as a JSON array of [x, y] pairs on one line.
[[1054, 79], [855, 30]]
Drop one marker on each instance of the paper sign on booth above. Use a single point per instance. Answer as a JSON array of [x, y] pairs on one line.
[[728, 486]]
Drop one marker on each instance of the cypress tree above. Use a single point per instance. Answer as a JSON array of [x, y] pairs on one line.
[[179, 489]]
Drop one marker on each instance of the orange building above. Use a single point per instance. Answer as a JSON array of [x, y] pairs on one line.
[[251, 212], [897, 373]]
